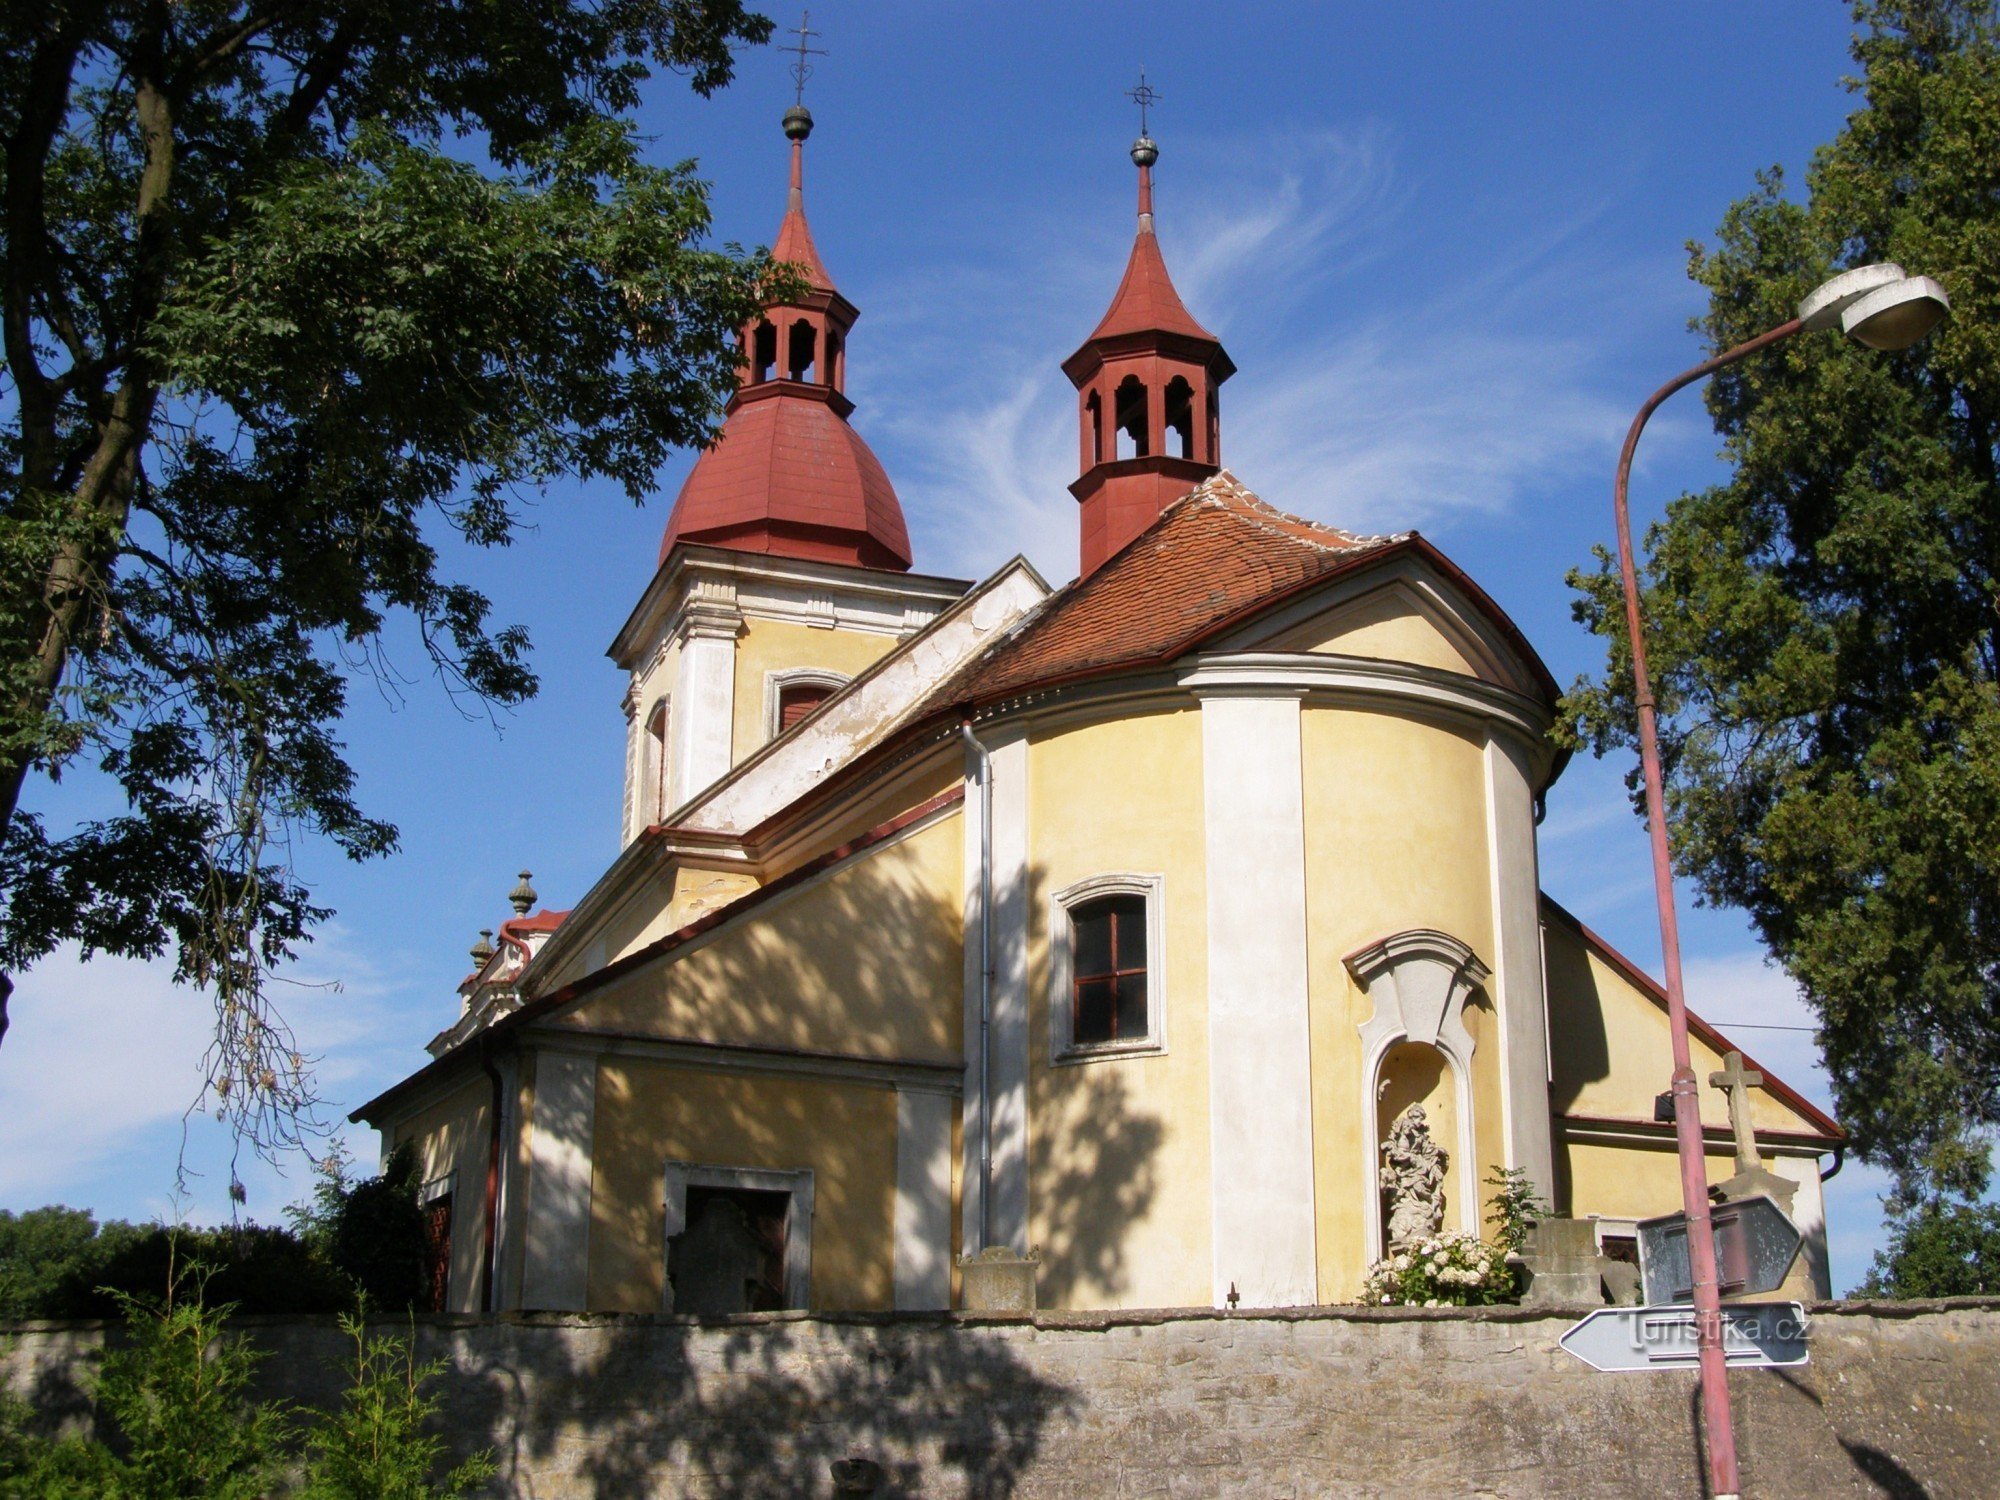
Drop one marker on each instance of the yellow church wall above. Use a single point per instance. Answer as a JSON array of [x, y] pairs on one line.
[[1611, 1050], [453, 1138], [1119, 1190], [865, 959], [691, 892], [1395, 820], [1387, 625], [767, 646], [1617, 1180], [650, 1113]]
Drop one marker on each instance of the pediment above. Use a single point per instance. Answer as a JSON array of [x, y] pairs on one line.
[[1405, 611]]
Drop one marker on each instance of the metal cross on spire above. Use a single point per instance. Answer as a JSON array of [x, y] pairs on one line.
[[802, 70], [1144, 96]]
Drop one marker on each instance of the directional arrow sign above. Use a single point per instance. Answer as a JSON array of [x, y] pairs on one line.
[[1755, 1245], [1663, 1338]]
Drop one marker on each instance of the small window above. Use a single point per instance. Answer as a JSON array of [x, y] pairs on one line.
[[794, 694], [1107, 968], [799, 700], [437, 1254], [653, 768], [1109, 983]]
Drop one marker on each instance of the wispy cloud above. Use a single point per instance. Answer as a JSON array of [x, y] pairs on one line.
[[1441, 396], [104, 1061]]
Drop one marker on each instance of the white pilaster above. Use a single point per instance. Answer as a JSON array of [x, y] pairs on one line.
[[555, 1266], [1809, 1214], [923, 1199], [1008, 1008], [1516, 985], [1260, 1074], [702, 724]]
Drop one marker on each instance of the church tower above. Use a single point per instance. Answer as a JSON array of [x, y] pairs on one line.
[[1146, 382], [785, 569]]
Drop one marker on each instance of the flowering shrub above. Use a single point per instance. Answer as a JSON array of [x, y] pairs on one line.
[[1441, 1270]]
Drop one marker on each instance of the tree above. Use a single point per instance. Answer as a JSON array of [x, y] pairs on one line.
[[291, 291], [1823, 625], [1939, 1250]]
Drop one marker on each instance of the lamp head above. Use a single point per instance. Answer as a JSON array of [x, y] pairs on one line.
[[1881, 306]]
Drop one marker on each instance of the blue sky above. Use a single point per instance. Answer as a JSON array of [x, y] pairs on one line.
[[1445, 247]]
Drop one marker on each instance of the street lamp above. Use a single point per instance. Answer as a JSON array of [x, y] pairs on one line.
[[1883, 308]]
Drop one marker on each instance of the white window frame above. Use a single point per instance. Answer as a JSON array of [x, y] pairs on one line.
[[775, 684], [656, 761], [1063, 1049], [798, 1184]]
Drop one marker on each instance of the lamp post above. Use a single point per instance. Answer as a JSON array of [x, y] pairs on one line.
[[1883, 308]]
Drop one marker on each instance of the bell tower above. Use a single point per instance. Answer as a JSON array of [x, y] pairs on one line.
[[1146, 380]]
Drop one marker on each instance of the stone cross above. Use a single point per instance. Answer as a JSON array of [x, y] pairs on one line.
[[1737, 1082]]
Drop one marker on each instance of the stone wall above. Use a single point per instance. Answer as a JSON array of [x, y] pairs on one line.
[[1899, 1399]]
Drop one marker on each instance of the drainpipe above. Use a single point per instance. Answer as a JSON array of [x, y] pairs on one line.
[[985, 983], [495, 1172], [1839, 1161]]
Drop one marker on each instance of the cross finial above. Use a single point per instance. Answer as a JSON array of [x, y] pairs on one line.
[[802, 70], [1145, 96]]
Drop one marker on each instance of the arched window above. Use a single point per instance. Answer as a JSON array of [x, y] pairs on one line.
[[836, 372], [1214, 427], [653, 788], [804, 340], [1129, 415], [793, 695], [1093, 410], [1107, 969], [1180, 418], [763, 353]]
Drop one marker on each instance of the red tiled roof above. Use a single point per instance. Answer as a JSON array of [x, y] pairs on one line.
[[1212, 555], [788, 465], [1146, 301]]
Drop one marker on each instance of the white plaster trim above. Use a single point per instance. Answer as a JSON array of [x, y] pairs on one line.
[[797, 1182], [1418, 981], [1007, 1002], [1259, 1029], [1518, 988], [438, 1187], [1402, 686], [775, 684], [923, 1200], [701, 727], [1062, 968], [555, 1275]]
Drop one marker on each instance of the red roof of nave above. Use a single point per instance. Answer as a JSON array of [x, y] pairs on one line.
[[786, 460]]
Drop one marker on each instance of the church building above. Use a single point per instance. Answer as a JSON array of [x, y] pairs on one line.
[[1115, 922]]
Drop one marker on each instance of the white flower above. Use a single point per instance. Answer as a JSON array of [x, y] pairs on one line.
[[1431, 1302], [1386, 1297]]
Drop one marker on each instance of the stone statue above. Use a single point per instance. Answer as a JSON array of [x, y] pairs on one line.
[[1412, 1178]]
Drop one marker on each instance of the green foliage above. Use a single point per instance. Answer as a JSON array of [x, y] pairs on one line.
[[177, 1397], [376, 1447], [1514, 1206], [292, 293], [1822, 626], [1441, 1270], [371, 1231], [45, 1252], [1939, 1250], [360, 1238]]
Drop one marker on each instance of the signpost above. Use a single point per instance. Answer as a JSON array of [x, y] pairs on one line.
[[1755, 1245], [1663, 1338]]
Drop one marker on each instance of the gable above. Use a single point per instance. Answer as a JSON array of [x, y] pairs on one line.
[[1610, 1048], [1400, 610]]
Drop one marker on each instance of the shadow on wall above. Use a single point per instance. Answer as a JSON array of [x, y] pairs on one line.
[[760, 1409]]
